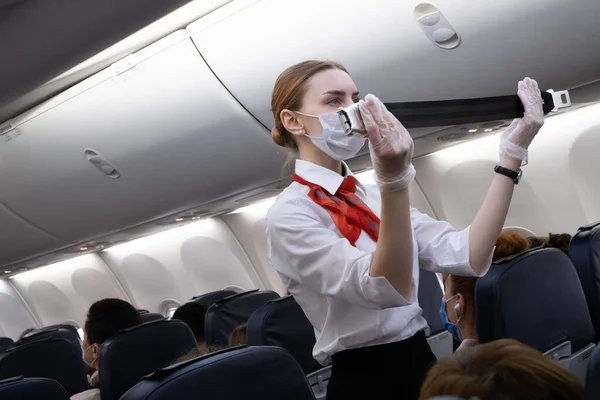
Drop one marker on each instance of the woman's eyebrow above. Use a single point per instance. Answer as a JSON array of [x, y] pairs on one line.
[[337, 92]]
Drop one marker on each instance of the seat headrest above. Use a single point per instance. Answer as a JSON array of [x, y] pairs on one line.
[[208, 299], [535, 298], [282, 323], [61, 326], [32, 388], [52, 358], [430, 297], [240, 373], [226, 314], [149, 317], [584, 251], [5, 343], [51, 333], [137, 351], [592, 380], [142, 311]]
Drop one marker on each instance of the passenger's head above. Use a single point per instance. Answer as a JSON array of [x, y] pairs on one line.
[[311, 87], [459, 306], [104, 319], [193, 315], [559, 241], [504, 369], [510, 243], [239, 336]]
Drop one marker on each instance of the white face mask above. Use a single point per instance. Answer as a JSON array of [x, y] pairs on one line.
[[334, 142]]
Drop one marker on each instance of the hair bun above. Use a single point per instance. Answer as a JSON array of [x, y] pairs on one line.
[[278, 138]]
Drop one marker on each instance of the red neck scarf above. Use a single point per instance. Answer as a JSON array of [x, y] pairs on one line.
[[349, 213]]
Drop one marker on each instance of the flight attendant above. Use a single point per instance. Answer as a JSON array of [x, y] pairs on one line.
[[349, 253]]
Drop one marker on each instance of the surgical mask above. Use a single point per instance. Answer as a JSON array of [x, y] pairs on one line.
[[335, 142], [450, 327], [84, 359]]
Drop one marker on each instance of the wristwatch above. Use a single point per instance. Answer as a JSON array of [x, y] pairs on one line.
[[514, 175]]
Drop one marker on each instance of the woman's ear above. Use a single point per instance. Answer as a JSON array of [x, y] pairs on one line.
[[291, 123], [460, 311], [95, 351]]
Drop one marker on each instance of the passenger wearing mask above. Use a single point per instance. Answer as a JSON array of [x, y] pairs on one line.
[[193, 314], [105, 318], [350, 253], [501, 370], [457, 310]]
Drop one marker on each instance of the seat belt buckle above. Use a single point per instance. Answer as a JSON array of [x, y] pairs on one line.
[[561, 99]]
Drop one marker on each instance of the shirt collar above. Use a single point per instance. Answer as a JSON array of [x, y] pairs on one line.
[[324, 177]]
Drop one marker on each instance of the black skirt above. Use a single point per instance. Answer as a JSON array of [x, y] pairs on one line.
[[388, 371]]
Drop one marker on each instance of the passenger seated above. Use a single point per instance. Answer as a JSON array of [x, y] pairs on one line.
[[500, 370], [239, 336], [104, 319], [458, 304], [193, 315], [559, 241]]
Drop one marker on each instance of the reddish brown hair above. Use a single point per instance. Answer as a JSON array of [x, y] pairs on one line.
[[288, 91], [509, 243], [504, 369]]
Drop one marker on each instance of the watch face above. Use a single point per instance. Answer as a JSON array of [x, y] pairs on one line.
[[519, 175]]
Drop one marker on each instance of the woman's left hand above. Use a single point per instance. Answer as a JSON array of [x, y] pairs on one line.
[[519, 135]]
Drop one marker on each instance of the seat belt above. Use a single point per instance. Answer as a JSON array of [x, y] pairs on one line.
[[424, 114]]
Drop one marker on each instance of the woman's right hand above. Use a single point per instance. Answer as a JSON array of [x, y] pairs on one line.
[[390, 145]]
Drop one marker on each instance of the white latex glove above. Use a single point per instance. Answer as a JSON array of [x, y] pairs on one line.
[[390, 145], [518, 136]]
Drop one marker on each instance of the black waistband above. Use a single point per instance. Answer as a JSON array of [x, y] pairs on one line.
[[411, 348]]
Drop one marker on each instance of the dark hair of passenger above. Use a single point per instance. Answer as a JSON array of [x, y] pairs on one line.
[[193, 314], [559, 241], [239, 336], [500, 370], [510, 243], [107, 317]]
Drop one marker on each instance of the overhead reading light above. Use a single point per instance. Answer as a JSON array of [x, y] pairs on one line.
[[488, 130], [7, 271], [472, 130], [84, 249], [179, 219]]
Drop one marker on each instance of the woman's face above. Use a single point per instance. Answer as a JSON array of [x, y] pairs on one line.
[[325, 92]]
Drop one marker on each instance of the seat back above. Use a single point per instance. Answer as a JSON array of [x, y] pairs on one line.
[[430, 297], [226, 314], [592, 381], [54, 358], [240, 373], [32, 388], [149, 317], [132, 353], [584, 252], [282, 323], [66, 332], [536, 298], [208, 299], [5, 343]]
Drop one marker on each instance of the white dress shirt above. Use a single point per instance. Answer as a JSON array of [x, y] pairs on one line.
[[329, 278]]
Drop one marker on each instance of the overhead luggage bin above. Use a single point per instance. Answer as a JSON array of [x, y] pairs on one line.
[[154, 134], [389, 53]]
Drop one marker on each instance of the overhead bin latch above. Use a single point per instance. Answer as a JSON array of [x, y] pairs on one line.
[[561, 99], [125, 64]]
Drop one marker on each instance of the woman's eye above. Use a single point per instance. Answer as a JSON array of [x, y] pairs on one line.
[[333, 102]]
